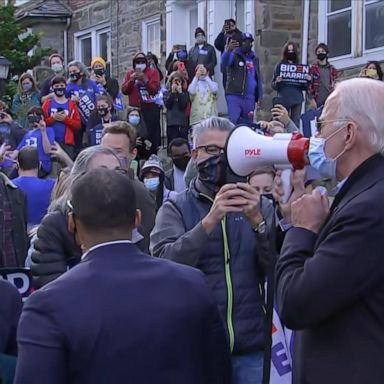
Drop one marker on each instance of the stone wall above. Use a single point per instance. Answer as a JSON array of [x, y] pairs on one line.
[[276, 23]]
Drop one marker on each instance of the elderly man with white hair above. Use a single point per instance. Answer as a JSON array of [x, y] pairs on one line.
[[218, 227], [330, 276]]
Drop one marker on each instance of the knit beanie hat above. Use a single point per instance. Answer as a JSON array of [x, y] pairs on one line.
[[199, 30], [151, 165]]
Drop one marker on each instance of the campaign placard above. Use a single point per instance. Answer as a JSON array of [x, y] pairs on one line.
[[20, 277], [294, 73]]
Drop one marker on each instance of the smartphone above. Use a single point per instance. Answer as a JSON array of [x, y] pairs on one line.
[[278, 100], [60, 109], [2, 115]]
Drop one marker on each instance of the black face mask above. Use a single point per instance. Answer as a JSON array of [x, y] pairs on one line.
[[75, 76], [213, 172], [102, 111], [322, 56], [291, 56], [59, 91], [181, 162], [99, 72]]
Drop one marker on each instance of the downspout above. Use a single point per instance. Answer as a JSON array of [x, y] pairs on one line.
[[68, 24], [304, 49]]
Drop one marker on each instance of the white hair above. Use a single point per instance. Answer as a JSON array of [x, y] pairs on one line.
[[211, 124], [360, 100]]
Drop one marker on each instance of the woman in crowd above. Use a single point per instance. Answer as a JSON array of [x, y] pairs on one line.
[[107, 85], [82, 91], [103, 114], [56, 62], [176, 100], [290, 95], [372, 70], [143, 144], [152, 175], [203, 93], [27, 96], [153, 63]]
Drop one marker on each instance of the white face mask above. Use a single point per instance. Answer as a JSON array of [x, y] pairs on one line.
[[57, 67], [141, 66]]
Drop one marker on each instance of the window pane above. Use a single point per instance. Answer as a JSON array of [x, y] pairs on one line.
[[153, 38], [240, 12], [86, 51], [336, 5], [374, 25], [104, 46], [339, 34], [193, 20]]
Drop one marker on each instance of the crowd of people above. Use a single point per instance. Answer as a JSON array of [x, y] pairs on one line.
[[86, 194]]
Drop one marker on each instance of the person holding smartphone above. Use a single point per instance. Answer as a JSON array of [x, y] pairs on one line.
[[176, 99], [228, 32], [62, 115]]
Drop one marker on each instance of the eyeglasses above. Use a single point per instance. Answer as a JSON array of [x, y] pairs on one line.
[[69, 205], [319, 123], [211, 149]]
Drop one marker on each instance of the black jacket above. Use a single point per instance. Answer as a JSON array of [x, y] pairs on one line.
[[176, 104], [330, 286], [55, 250], [222, 39], [17, 205], [205, 56], [237, 76]]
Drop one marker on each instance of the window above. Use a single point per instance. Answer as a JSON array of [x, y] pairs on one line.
[[353, 30], [93, 42], [151, 36], [240, 14], [20, 2]]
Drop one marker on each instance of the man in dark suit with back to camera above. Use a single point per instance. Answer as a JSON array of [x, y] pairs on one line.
[[330, 276], [120, 316]]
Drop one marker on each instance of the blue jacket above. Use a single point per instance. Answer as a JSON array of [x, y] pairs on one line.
[[121, 316], [228, 257]]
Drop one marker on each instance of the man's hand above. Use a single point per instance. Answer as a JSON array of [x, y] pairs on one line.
[[59, 153], [310, 211], [140, 77], [4, 148], [280, 113], [59, 116], [227, 200], [308, 77], [298, 190], [232, 45], [251, 209]]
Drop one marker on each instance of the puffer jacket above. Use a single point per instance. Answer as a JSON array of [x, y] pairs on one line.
[[54, 251]]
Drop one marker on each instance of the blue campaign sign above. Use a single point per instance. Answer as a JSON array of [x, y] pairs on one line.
[[20, 277], [308, 120]]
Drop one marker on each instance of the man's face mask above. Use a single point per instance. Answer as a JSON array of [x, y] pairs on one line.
[[59, 91], [181, 162], [319, 160], [213, 172], [200, 39]]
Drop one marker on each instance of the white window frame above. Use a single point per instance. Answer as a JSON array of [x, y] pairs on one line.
[[358, 56], [93, 33], [144, 33]]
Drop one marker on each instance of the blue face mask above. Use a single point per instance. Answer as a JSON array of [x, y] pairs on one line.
[[152, 183], [134, 119], [318, 158]]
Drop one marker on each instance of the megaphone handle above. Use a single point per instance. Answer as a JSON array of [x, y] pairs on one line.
[[286, 185]]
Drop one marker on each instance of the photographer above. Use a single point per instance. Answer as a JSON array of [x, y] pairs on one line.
[[107, 84], [228, 32], [41, 137], [217, 226]]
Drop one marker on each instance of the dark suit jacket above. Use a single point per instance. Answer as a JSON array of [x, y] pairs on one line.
[[330, 287], [121, 316], [10, 309]]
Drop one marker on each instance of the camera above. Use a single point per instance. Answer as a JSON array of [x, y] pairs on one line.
[[34, 119]]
